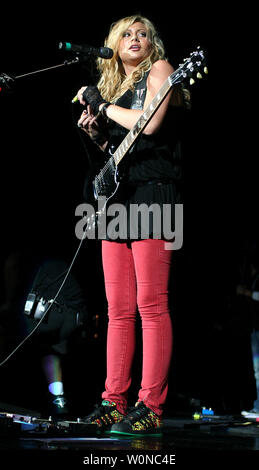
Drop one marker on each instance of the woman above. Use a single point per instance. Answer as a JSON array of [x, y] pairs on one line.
[[136, 271]]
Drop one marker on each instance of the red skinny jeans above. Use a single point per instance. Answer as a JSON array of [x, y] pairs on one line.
[[136, 276]]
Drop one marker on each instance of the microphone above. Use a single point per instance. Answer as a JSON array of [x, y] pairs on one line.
[[103, 52]]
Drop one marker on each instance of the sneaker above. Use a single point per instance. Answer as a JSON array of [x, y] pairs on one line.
[[105, 415], [252, 414], [140, 420]]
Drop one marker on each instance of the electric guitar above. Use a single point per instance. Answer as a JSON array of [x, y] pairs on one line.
[[106, 182]]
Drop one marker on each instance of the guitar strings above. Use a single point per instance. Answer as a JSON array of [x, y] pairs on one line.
[[124, 143], [172, 79]]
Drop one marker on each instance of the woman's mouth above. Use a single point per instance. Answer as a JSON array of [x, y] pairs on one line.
[[135, 47]]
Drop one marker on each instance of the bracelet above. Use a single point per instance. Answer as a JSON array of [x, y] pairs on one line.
[[104, 110]]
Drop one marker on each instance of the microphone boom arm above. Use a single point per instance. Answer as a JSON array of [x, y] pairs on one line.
[[7, 81]]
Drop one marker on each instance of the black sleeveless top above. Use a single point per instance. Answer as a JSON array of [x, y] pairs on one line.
[[154, 168]]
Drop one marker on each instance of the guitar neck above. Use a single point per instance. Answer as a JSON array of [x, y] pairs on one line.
[[186, 69], [142, 122]]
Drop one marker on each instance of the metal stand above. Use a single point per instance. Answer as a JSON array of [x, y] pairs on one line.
[[7, 81]]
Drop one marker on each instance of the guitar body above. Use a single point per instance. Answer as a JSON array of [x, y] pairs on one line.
[[106, 185], [99, 190], [100, 184]]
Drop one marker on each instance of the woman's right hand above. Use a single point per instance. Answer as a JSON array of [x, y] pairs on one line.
[[88, 123]]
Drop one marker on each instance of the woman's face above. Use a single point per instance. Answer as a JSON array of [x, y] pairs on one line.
[[134, 45]]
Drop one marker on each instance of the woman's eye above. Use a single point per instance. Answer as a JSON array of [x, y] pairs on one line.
[[140, 33]]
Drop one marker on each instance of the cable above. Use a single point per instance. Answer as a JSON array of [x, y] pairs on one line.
[[65, 278], [79, 132], [42, 318]]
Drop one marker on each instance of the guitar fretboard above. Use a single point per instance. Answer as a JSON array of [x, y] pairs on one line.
[[130, 138], [181, 73]]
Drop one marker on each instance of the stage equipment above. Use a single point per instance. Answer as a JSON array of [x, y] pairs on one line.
[[103, 52]]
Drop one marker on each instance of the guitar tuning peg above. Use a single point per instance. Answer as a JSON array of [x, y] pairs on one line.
[[205, 70], [192, 81], [199, 75]]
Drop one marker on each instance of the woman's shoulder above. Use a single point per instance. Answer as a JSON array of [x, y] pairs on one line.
[[160, 69], [162, 64]]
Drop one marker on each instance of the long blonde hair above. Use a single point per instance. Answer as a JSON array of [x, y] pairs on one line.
[[113, 80]]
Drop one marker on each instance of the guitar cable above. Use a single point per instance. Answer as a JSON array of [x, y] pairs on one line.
[[50, 305], [64, 280]]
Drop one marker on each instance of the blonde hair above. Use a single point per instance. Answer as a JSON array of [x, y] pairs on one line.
[[113, 80]]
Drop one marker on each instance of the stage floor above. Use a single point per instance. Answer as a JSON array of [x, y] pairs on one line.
[[185, 440]]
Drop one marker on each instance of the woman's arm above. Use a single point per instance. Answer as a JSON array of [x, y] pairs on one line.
[[128, 117]]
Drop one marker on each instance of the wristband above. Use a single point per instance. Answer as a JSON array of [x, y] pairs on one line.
[[104, 110]]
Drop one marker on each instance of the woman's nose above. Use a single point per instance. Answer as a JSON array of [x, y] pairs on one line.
[[134, 37]]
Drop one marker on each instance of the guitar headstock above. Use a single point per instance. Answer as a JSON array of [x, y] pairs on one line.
[[193, 65]]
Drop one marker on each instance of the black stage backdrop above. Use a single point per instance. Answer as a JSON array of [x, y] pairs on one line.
[[43, 168]]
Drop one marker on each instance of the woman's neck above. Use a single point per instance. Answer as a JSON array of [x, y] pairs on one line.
[[128, 68]]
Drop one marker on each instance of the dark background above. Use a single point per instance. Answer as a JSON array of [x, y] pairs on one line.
[[43, 168]]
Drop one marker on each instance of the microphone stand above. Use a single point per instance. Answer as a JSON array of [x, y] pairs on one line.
[[7, 81]]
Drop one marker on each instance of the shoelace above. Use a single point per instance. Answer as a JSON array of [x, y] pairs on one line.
[[100, 410], [137, 412]]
